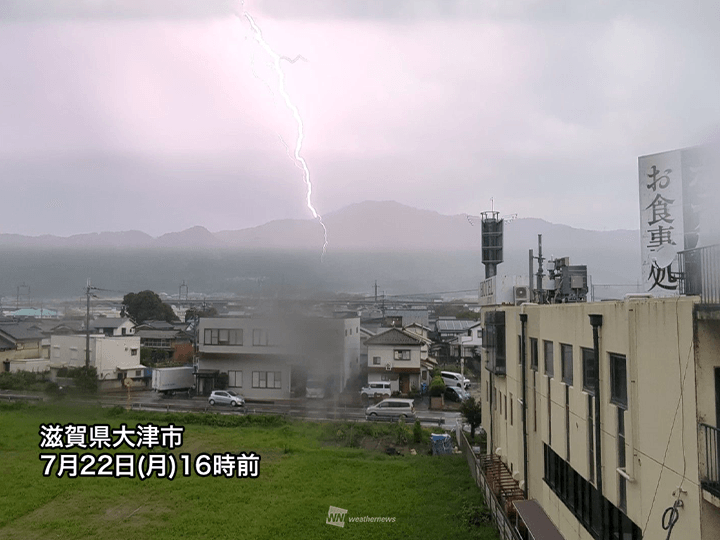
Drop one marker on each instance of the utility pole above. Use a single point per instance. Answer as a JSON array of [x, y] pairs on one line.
[[376, 291], [87, 326], [88, 294], [539, 292]]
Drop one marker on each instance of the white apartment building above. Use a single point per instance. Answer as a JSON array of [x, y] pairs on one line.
[[260, 355]]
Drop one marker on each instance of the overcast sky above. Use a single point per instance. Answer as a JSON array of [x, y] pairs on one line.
[[116, 116]]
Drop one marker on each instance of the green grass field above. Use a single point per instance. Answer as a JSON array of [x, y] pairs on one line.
[[305, 468]]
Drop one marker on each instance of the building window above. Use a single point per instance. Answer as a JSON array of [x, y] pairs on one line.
[[487, 391], [267, 379], [618, 380], [584, 501], [133, 352], [534, 401], [591, 439], [520, 344], [495, 399], [235, 379], [56, 352], [376, 360], [260, 337], [567, 422], [534, 354], [211, 336], [589, 375], [549, 360], [478, 334], [549, 411], [227, 336], [401, 354], [566, 359], [622, 486], [138, 373], [511, 409], [505, 405], [124, 331]]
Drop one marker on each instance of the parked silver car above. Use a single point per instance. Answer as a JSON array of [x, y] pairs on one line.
[[226, 397], [392, 409]]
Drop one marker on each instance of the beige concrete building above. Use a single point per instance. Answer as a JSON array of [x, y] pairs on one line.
[[658, 411]]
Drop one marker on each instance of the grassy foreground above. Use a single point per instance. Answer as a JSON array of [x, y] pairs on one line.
[[305, 468]]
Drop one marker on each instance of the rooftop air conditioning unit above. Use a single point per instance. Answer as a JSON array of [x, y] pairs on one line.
[[521, 294]]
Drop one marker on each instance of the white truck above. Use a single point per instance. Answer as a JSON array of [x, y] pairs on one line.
[[173, 379]]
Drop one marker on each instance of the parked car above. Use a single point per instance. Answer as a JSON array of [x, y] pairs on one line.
[[373, 388], [392, 409], [455, 393], [315, 389], [450, 378], [226, 397]]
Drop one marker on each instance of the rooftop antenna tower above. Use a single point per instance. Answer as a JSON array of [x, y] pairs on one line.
[[492, 240], [492, 237]]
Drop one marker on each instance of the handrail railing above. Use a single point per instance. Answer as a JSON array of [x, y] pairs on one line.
[[710, 474], [700, 271], [497, 504]]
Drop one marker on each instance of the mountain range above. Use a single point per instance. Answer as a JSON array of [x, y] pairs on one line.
[[370, 225], [407, 249]]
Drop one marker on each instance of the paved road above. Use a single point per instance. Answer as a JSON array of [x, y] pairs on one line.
[[297, 408]]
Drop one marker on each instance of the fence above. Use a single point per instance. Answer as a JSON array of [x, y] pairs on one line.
[[710, 479], [497, 509]]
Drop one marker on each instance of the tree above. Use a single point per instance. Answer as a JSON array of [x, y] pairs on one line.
[[472, 412], [146, 306], [209, 311], [437, 386]]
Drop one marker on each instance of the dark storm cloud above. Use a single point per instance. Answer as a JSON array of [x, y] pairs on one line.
[[114, 9], [568, 10]]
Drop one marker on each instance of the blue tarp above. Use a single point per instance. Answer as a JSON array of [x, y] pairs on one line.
[[441, 444]]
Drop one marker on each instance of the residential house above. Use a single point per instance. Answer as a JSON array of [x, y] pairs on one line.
[[401, 357], [113, 326], [115, 358], [24, 346], [165, 341], [448, 332]]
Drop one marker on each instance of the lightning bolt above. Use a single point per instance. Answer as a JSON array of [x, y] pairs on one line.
[[297, 157], [293, 60]]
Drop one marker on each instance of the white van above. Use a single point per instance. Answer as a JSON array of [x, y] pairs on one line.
[[450, 378], [382, 388]]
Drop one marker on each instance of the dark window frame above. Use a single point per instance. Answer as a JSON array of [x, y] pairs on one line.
[[620, 400], [549, 359], [588, 364], [566, 363]]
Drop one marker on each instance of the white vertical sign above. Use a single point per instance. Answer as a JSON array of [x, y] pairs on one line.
[[661, 221]]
